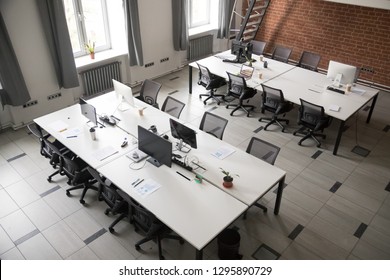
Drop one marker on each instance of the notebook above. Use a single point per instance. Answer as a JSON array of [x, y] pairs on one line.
[[246, 71]]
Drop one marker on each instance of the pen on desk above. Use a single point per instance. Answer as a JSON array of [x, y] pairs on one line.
[[183, 176], [72, 136], [314, 90], [116, 118], [135, 181], [138, 183]]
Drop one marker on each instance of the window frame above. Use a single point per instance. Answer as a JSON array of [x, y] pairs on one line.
[[191, 24]]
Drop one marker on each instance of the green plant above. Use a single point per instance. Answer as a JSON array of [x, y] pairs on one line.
[[90, 47], [227, 174]]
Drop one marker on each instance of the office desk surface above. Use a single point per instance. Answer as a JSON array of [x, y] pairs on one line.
[[197, 212]]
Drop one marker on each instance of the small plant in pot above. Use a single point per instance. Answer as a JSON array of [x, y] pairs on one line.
[[228, 178]]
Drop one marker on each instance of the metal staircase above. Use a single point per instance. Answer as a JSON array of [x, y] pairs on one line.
[[251, 21]]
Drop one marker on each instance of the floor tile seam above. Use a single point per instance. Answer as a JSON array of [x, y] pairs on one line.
[[355, 204], [298, 205], [294, 242]]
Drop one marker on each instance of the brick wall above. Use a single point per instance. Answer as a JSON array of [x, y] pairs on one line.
[[346, 33]]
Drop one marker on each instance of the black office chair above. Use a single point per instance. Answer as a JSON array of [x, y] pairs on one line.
[[149, 92], [213, 124], [172, 106], [147, 224], [309, 60], [264, 151], [211, 82], [312, 119], [258, 47], [238, 89], [273, 101], [281, 53], [109, 194]]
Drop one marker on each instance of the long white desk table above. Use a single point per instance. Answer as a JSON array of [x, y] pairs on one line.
[[311, 86]]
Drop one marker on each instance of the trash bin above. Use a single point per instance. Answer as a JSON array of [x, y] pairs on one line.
[[229, 244]]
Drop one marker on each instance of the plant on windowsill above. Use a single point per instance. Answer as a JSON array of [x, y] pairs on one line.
[[228, 178], [90, 49]]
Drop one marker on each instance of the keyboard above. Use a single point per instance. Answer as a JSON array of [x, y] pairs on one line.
[[335, 89], [182, 164]]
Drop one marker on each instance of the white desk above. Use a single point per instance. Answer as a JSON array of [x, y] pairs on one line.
[[311, 86]]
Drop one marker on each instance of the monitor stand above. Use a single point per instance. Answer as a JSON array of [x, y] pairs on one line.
[[182, 147], [154, 161]]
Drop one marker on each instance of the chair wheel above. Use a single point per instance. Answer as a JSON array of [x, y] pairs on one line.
[[106, 212], [204, 102], [112, 230], [162, 258], [137, 247], [265, 210], [49, 179], [218, 103], [67, 193], [287, 122], [82, 201]]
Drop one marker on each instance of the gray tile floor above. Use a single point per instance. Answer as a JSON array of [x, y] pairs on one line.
[[333, 207]]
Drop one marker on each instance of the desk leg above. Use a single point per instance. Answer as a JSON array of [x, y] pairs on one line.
[[336, 145], [372, 108], [190, 79], [199, 254], [279, 195]]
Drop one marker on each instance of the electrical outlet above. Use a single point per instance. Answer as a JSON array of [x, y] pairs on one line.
[[164, 59], [367, 69], [31, 103], [55, 95], [149, 64]]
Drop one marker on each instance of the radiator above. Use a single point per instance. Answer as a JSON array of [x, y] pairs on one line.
[[200, 47], [99, 79]]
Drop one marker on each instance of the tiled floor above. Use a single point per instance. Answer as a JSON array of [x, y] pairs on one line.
[[333, 207]]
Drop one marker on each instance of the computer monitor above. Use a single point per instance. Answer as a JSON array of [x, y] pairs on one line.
[[243, 51], [124, 91], [88, 111], [347, 72], [159, 149], [183, 133]]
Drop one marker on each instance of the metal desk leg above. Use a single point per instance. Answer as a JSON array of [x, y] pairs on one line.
[[372, 108], [336, 145], [279, 195], [199, 254], [190, 79]]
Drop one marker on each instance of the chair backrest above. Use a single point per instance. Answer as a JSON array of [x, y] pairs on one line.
[[173, 106], [36, 130], [281, 53], [213, 124], [309, 60], [149, 91], [272, 97], [237, 84], [204, 75], [310, 114], [263, 150], [258, 47]]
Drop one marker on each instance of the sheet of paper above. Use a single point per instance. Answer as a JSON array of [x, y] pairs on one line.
[[104, 153], [358, 91], [71, 132], [223, 152], [147, 187], [59, 126], [334, 108]]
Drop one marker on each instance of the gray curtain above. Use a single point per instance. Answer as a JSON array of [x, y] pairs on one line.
[[224, 15], [14, 91], [180, 25], [57, 36], [134, 41]]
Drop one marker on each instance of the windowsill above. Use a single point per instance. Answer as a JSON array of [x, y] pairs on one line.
[[201, 29], [83, 61]]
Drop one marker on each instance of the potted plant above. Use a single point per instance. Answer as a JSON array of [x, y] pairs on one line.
[[228, 178], [90, 49]]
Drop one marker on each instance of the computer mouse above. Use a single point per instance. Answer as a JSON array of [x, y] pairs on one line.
[[110, 120], [135, 155], [166, 137]]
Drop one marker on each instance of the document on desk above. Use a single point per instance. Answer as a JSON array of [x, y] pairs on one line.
[[104, 153], [71, 132], [223, 152], [59, 126], [147, 187], [358, 91], [334, 108]]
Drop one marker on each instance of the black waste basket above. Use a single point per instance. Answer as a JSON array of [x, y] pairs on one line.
[[229, 244]]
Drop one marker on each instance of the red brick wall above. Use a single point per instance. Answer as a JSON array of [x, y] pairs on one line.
[[346, 33]]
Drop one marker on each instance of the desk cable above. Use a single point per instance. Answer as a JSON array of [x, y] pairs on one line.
[[139, 167]]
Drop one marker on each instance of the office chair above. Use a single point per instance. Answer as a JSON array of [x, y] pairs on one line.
[[265, 151], [273, 101], [211, 82], [258, 47], [238, 89], [108, 193], [147, 224], [172, 106], [213, 124], [312, 119], [281, 53], [309, 60], [149, 92]]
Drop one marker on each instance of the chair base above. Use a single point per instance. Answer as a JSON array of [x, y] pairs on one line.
[[308, 133], [85, 188], [274, 121], [246, 108], [211, 95]]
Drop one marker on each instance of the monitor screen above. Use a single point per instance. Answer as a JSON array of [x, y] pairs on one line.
[[159, 149], [348, 72], [125, 91], [183, 133], [88, 111], [243, 51]]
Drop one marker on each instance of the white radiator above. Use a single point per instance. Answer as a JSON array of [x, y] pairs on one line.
[[200, 47]]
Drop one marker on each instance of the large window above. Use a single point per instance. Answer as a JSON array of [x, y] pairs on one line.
[[199, 13], [87, 24]]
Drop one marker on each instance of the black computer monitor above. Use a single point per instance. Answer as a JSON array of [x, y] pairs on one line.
[[159, 149], [183, 133], [88, 111], [242, 50]]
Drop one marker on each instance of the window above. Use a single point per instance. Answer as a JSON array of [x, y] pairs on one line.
[[87, 23], [199, 13]]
